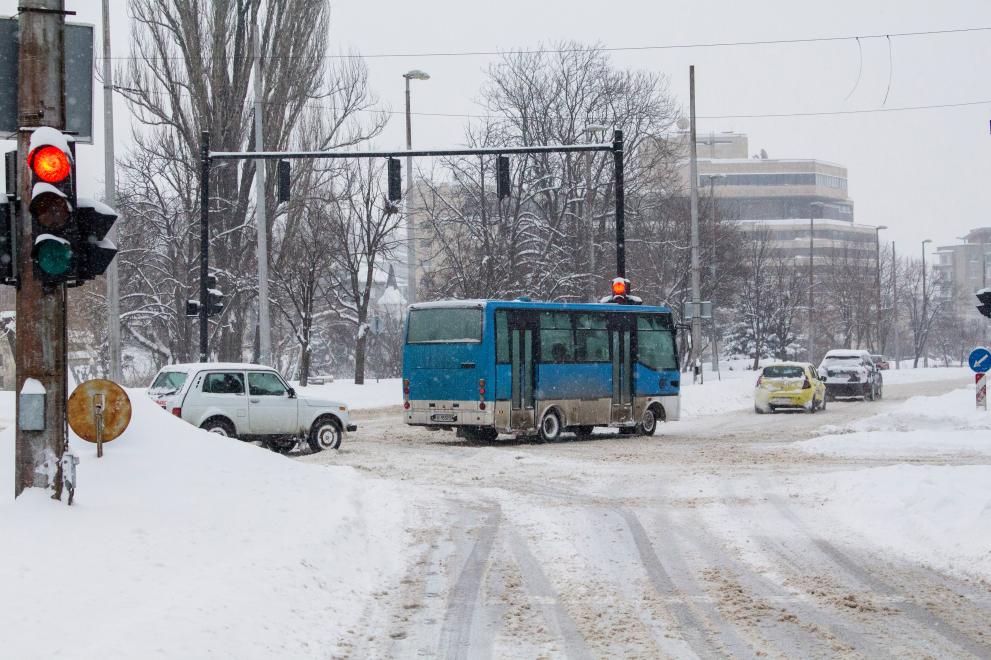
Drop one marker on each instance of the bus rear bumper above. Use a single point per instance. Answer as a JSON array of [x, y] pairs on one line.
[[449, 414]]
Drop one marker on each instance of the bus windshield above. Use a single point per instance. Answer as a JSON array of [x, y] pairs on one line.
[[434, 325]]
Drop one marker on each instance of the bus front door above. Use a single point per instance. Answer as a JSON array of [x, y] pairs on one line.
[[621, 348], [522, 333]]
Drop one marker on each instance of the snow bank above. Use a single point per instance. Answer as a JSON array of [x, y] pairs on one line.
[[186, 544], [373, 394], [895, 444], [734, 392], [939, 515]]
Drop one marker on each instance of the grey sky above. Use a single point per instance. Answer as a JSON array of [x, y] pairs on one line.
[[922, 173]]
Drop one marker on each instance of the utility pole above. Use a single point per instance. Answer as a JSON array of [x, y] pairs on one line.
[[264, 324], [712, 268], [924, 328], [877, 262], [894, 304], [40, 351], [812, 287], [415, 74], [110, 199], [696, 295]]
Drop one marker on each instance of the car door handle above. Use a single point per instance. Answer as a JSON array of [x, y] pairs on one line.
[[255, 400]]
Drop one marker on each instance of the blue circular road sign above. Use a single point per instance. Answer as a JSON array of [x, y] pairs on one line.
[[980, 360]]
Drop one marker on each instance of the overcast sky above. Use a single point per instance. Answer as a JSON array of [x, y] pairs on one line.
[[923, 173]]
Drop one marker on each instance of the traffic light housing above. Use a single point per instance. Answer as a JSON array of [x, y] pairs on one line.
[[620, 290], [92, 250], [984, 295], [215, 299], [395, 180], [53, 197], [503, 181]]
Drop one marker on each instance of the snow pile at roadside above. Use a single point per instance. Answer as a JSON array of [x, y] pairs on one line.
[[185, 544], [939, 515], [734, 392], [945, 425], [373, 394]]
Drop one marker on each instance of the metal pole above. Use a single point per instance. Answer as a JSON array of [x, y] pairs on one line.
[[204, 241], [696, 316], [40, 350], [712, 321], [877, 252], [894, 304], [410, 227], [617, 152], [812, 352], [261, 215], [589, 222], [110, 197], [925, 310]]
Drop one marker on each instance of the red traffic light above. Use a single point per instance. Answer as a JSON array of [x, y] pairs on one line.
[[50, 164], [620, 286]]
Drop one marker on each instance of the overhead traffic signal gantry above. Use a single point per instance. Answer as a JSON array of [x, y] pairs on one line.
[[53, 195]]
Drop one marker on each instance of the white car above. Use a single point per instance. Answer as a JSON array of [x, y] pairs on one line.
[[250, 402], [851, 373]]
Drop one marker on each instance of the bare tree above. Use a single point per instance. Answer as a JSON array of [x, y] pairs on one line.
[[923, 307]]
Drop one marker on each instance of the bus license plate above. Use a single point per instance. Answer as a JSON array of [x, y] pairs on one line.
[[439, 417]]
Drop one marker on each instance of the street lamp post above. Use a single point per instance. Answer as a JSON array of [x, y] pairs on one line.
[[925, 308], [415, 74], [877, 259], [894, 305], [589, 131], [712, 269], [812, 353]]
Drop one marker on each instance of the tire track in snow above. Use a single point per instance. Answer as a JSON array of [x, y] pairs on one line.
[[923, 616], [694, 629], [458, 637], [539, 588]]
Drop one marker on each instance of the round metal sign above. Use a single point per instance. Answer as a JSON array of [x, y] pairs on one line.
[[95, 399], [980, 360]]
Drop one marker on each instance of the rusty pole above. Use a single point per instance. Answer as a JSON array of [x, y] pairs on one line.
[[41, 329]]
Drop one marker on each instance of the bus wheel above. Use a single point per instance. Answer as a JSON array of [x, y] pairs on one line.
[[648, 422], [550, 427]]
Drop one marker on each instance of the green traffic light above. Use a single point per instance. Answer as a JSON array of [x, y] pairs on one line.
[[54, 257]]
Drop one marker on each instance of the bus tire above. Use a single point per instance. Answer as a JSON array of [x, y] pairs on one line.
[[648, 421], [550, 427]]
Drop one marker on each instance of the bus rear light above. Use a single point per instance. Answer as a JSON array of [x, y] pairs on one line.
[[406, 405], [481, 405], [481, 388], [177, 412], [405, 386]]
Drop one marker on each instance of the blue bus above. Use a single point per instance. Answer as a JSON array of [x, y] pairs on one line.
[[484, 367]]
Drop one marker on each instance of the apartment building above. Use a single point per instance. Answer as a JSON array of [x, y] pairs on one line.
[[964, 270]]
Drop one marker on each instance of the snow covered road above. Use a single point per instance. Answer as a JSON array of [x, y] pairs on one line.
[[721, 536]]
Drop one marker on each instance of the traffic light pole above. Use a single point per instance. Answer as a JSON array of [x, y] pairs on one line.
[[204, 243], [40, 351]]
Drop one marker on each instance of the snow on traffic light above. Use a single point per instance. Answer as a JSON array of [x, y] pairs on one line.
[[53, 195]]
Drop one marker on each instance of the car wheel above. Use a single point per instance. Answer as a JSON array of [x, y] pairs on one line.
[[648, 422], [869, 394], [759, 410], [550, 427], [325, 434], [880, 392], [220, 426]]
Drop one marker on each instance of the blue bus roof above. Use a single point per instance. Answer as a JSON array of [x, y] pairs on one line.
[[543, 305]]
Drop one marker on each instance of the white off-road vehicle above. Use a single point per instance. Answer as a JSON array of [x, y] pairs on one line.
[[250, 402], [851, 373]]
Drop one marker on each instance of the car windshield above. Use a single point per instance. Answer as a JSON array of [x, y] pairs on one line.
[[169, 381], [440, 325], [783, 371]]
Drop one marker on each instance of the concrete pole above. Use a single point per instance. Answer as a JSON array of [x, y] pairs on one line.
[[812, 300], [264, 327], [410, 228], [715, 282], [40, 349], [925, 309], [110, 197], [589, 220], [894, 304], [696, 295]]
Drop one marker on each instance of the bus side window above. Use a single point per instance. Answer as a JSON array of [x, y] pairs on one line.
[[655, 347], [591, 338], [502, 338], [557, 342]]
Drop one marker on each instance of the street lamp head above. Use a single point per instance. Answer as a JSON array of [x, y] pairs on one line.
[[416, 74], [928, 240], [880, 227]]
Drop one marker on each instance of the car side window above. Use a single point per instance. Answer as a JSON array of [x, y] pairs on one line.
[[265, 383], [223, 383]]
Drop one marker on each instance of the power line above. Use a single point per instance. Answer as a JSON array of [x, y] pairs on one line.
[[614, 49]]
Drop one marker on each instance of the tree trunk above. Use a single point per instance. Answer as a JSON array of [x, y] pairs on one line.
[[359, 355], [304, 365]]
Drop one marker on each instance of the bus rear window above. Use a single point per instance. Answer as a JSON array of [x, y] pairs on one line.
[[444, 325]]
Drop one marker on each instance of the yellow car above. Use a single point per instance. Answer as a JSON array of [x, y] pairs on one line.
[[789, 385]]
